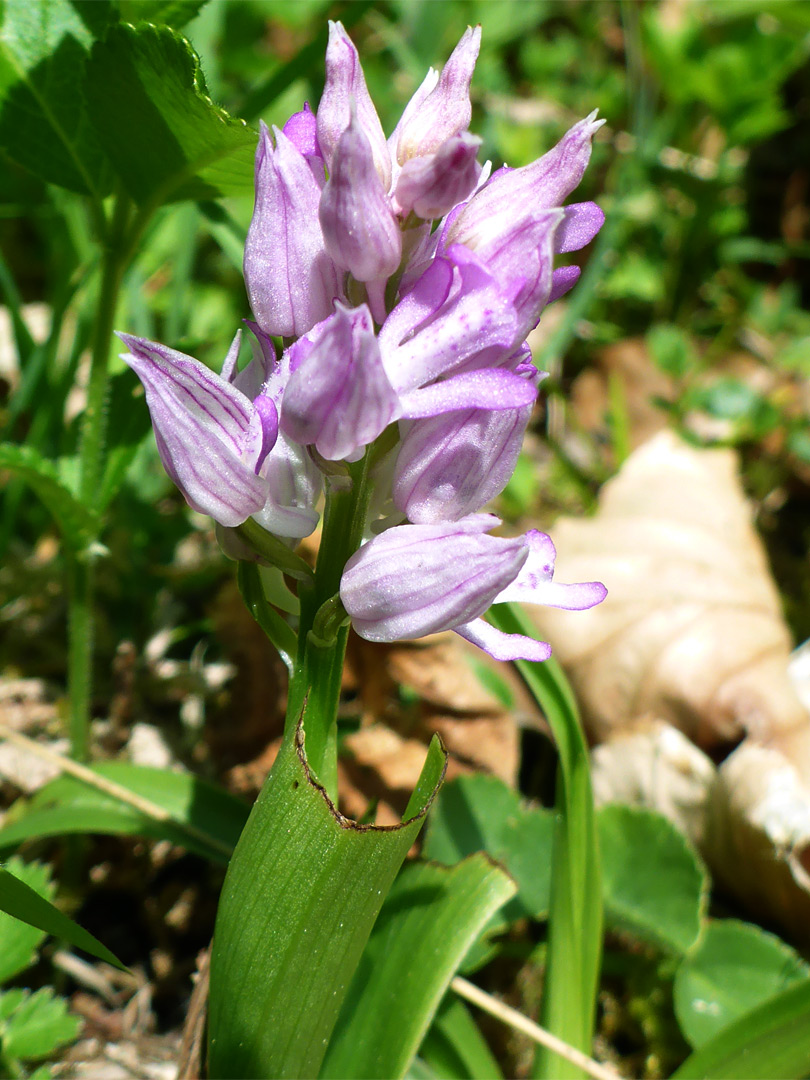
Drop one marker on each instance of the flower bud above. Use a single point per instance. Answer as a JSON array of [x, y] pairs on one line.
[[432, 186], [358, 223], [440, 108], [290, 279], [345, 89]]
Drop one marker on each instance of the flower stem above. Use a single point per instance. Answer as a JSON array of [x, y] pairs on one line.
[[91, 459], [315, 685]]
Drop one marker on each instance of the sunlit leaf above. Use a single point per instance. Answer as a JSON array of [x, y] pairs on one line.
[[734, 968], [43, 122], [302, 894], [429, 920], [165, 136]]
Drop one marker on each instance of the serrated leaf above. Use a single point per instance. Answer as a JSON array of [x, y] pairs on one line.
[[175, 13], [303, 891], [39, 1025], [480, 813], [20, 900], [429, 920], [203, 818], [76, 523], [164, 135], [19, 942], [654, 883], [43, 123], [734, 968]]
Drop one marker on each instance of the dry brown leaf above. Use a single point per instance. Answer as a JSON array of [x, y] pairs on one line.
[[653, 764], [692, 630], [758, 835], [449, 692], [692, 634], [641, 383]]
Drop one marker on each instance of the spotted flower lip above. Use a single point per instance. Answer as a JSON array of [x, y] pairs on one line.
[[416, 580]]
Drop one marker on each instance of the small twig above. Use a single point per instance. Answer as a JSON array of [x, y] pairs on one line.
[[522, 1023], [116, 791]]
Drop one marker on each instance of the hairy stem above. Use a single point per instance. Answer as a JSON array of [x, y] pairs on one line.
[[91, 462]]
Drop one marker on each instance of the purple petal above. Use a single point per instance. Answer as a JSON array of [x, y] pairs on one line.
[[339, 397], [291, 281], [512, 194], [451, 466], [477, 318], [267, 417], [205, 431], [431, 118], [293, 485], [534, 585], [494, 389], [431, 186], [503, 646], [302, 131], [563, 280], [346, 88], [580, 225], [420, 303], [421, 579], [359, 228]]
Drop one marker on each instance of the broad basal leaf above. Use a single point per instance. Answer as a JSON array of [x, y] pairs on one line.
[[480, 813], [167, 140], [43, 122], [201, 817], [302, 893]]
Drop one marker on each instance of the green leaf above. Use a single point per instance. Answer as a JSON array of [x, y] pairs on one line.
[[428, 922], [43, 123], [20, 900], [454, 1048], [734, 968], [299, 901], [175, 13], [275, 626], [19, 942], [76, 523], [772, 1042], [203, 818], [164, 135], [39, 1025], [480, 813], [575, 915], [654, 884]]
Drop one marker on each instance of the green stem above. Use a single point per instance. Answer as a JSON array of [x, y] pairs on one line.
[[91, 454], [315, 685]]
